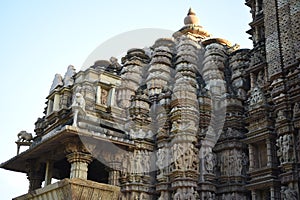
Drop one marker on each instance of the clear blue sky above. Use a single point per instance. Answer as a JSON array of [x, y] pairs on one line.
[[41, 38]]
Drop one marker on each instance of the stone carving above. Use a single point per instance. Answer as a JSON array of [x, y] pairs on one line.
[[114, 66], [162, 161], [296, 109], [210, 196], [178, 151], [190, 125], [280, 116], [179, 194], [191, 161], [280, 148], [224, 163], [163, 195], [185, 194], [78, 106], [285, 148], [209, 160], [233, 163], [79, 101], [68, 78], [230, 133], [24, 136], [190, 195], [260, 79], [104, 94], [233, 196], [135, 196], [57, 81], [184, 156], [137, 162], [258, 54], [175, 126], [143, 197], [245, 163], [125, 164], [257, 97], [288, 193], [238, 160]]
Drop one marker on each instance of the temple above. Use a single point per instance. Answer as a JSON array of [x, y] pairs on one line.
[[192, 117]]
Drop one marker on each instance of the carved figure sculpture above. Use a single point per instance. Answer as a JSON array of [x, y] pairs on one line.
[[285, 151], [178, 151], [114, 66], [260, 79], [209, 160], [163, 195], [78, 106], [190, 158], [190, 195], [79, 101], [210, 196], [279, 151], [145, 161], [179, 194], [161, 158], [289, 194], [24, 136], [104, 94], [285, 148]]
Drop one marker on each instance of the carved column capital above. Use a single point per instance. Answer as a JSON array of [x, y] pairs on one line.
[[79, 157], [76, 146], [35, 174], [114, 173], [79, 164]]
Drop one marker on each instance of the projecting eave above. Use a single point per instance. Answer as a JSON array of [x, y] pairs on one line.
[[54, 143]]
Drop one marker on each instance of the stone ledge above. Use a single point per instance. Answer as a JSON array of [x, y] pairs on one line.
[[68, 189]]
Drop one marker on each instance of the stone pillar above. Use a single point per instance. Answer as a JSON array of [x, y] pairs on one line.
[[256, 36], [98, 96], [253, 194], [35, 181], [256, 7], [272, 193], [50, 107], [48, 172], [66, 98], [112, 96], [79, 164], [35, 175], [251, 158], [56, 102], [252, 80], [114, 174], [269, 153]]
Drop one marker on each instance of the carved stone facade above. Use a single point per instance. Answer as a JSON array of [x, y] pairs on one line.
[[273, 129], [193, 117]]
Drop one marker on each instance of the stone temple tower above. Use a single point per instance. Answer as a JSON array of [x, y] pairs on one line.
[[193, 117]]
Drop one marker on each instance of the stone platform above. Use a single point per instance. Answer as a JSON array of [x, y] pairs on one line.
[[70, 189]]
